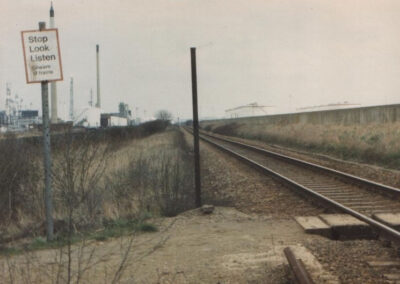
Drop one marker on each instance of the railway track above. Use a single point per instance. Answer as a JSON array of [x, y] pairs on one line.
[[346, 193]]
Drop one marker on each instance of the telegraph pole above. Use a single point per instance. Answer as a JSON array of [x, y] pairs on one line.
[[195, 129]]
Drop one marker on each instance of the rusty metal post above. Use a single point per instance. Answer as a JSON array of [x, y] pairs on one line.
[[300, 273], [195, 129]]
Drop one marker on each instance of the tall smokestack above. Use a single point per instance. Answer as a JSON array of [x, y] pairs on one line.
[[98, 103], [53, 86]]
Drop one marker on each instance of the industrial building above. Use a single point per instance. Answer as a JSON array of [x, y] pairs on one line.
[[19, 120], [113, 119], [28, 118], [252, 109], [331, 106], [87, 117]]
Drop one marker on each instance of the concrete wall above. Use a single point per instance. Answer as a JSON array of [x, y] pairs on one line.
[[351, 116]]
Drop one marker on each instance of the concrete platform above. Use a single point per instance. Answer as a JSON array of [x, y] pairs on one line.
[[347, 227], [314, 225], [390, 219]]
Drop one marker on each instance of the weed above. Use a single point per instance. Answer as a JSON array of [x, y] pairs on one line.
[[146, 227], [10, 251], [38, 243]]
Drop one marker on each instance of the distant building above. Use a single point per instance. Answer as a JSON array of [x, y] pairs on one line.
[[252, 109], [112, 120], [28, 118], [3, 117], [328, 106], [124, 110], [88, 117], [29, 113]]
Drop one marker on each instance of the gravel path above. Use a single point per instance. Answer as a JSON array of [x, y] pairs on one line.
[[226, 181], [368, 202], [348, 259]]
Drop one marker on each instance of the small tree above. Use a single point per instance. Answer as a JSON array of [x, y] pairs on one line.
[[163, 115]]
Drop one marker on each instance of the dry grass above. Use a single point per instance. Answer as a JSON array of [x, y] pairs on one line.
[[96, 180], [155, 173], [372, 143]]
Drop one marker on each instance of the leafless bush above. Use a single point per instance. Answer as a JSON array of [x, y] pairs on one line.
[[164, 115], [18, 179], [228, 129], [78, 168], [75, 264]]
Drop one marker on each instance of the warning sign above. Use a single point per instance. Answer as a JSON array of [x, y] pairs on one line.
[[42, 56]]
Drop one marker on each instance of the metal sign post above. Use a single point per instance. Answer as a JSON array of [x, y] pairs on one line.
[[43, 64], [195, 130]]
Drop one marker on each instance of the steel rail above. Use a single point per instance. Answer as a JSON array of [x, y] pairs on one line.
[[384, 188], [375, 224], [298, 268]]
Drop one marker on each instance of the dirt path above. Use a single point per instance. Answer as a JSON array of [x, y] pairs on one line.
[[226, 246]]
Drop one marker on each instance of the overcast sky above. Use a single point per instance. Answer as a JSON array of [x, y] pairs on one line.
[[284, 53]]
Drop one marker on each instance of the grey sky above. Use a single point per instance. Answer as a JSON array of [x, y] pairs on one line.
[[286, 53]]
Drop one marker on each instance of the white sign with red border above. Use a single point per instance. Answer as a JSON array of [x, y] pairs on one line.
[[42, 56]]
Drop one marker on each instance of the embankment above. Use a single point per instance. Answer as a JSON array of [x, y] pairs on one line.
[[368, 134]]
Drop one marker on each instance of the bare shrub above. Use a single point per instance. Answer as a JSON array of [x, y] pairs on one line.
[[164, 115], [78, 169], [77, 264], [18, 180], [208, 127], [228, 129]]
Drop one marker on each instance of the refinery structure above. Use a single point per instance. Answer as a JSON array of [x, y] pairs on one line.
[[15, 117]]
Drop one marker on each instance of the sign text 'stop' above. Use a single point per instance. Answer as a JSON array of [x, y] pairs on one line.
[[42, 56]]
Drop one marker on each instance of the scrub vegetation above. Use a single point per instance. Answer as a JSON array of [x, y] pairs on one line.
[[107, 184], [99, 177]]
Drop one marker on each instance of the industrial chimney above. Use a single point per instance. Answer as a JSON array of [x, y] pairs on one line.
[[53, 86], [98, 104]]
